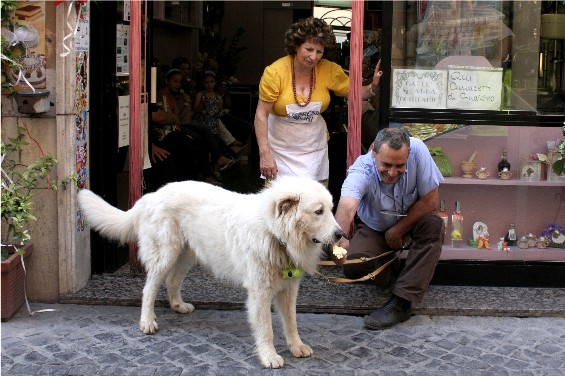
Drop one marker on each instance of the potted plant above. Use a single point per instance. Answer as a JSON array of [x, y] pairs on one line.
[[19, 180]]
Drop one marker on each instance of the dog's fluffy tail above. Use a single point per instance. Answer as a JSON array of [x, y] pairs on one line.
[[111, 222]]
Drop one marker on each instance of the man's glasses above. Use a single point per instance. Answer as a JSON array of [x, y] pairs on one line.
[[395, 212]]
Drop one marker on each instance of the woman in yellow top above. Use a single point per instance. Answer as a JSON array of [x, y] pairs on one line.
[[293, 92]]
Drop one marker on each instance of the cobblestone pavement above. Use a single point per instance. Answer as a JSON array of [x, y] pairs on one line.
[[105, 340]]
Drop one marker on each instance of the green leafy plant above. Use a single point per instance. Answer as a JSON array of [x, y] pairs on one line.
[[19, 181], [559, 166]]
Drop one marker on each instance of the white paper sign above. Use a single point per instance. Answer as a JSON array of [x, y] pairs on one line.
[[419, 88], [474, 88], [82, 36], [122, 50], [123, 120]]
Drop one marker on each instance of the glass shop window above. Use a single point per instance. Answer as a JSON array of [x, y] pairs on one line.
[[479, 55]]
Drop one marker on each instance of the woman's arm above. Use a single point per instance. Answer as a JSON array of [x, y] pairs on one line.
[[369, 91], [267, 163]]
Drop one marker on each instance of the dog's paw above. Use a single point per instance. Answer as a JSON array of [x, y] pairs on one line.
[[273, 361], [301, 351], [148, 326], [182, 307]]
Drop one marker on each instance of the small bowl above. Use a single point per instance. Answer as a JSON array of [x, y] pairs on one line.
[[505, 175]]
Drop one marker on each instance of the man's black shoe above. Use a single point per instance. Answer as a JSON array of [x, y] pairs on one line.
[[394, 311]]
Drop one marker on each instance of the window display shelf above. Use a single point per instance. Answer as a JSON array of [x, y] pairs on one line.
[[499, 182], [515, 254]]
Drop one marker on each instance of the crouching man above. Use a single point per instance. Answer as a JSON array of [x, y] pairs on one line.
[[394, 191]]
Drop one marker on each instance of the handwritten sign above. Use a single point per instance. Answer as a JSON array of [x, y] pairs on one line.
[[123, 120], [474, 88], [418, 88]]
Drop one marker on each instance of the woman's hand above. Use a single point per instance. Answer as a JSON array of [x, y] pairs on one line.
[[158, 153], [371, 90], [376, 78], [268, 166]]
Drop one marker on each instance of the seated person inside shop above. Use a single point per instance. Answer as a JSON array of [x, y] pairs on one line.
[[235, 132], [393, 189], [180, 150]]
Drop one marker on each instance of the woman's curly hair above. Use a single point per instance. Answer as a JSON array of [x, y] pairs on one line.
[[306, 29]]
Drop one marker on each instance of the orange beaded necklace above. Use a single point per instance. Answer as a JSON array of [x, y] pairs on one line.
[[294, 87]]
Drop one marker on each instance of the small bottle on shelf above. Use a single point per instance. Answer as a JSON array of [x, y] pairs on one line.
[[504, 165], [510, 237], [443, 214], [457, 227]]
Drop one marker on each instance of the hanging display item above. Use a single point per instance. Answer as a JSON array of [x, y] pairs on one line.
[[441, 160]]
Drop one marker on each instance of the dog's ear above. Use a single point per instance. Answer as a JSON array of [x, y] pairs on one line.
[[287, 204]]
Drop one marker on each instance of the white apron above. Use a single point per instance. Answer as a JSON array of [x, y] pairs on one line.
[[299, 143]]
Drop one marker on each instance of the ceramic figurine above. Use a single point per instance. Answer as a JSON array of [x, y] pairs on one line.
[[483, 242]]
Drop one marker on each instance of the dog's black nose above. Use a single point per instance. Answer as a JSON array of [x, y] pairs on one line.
[[339, 234]]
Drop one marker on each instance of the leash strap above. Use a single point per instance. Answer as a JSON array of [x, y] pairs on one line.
[[355, 261], [371, 275]]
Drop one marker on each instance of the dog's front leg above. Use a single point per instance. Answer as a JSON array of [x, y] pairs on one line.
[[259, 313], [285, 303]]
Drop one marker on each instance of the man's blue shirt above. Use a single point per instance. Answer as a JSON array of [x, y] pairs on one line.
[[364, 183]]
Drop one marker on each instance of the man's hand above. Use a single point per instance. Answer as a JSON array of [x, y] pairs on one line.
[[394, 238], [158, 153]]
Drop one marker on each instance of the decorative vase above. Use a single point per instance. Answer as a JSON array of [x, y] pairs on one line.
[[13, 282], [467, 168], [33, 103], [505, 174], [482, 173]]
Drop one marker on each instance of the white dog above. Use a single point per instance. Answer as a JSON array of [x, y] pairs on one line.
[[256, 240]]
